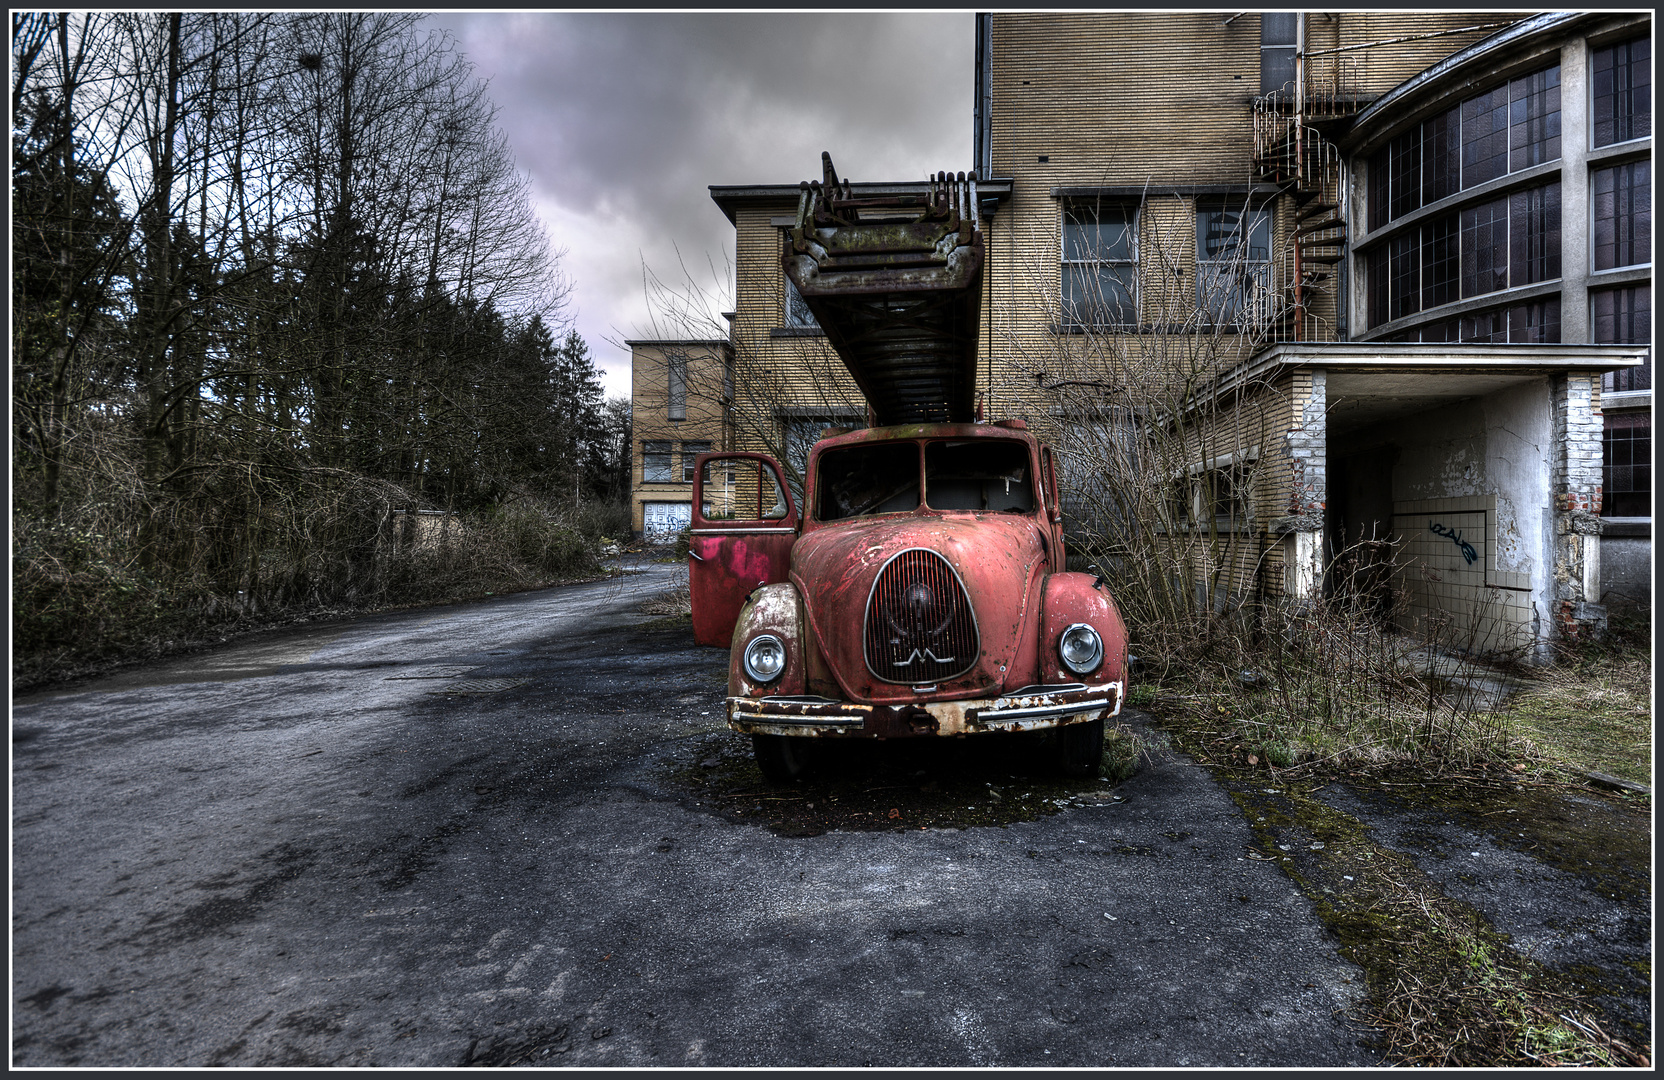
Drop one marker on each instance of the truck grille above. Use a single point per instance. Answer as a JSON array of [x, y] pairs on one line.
[[920, 627]]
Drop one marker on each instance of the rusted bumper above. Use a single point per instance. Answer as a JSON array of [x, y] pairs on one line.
[[1030, 709]]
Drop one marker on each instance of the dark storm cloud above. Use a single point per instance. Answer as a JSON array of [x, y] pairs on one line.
[[624, 120]]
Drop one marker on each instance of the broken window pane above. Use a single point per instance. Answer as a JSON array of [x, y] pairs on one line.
[[978, 474], [1233, 271], [877, 478]]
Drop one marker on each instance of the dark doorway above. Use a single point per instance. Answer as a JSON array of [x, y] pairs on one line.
[[1357, 527]]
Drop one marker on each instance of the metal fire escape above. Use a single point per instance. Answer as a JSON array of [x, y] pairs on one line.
[[1293, 150]]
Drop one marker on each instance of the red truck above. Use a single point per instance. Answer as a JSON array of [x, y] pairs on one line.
[[920, 588]]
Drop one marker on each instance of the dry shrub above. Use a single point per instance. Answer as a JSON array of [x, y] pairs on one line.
[[675, 603], [1333, 678]]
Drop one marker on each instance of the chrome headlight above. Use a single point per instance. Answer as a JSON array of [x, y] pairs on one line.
[[1081, 648], [764, 658]]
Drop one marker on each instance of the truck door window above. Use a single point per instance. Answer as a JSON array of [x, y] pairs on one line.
[[740, 489], [880, 478], [978, 474]]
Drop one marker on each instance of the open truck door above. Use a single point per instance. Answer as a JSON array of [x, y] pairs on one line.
[[744, 525]]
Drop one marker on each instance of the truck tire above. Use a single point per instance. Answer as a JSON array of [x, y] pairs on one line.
[[785, 758], [1080, 748]]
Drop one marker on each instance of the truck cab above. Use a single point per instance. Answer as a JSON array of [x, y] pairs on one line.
[[919, 592]]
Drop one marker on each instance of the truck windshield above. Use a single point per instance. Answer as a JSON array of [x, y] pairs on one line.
[[978, 474], [876, 478]]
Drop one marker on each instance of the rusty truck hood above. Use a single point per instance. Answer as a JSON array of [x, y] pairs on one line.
[[997, 557]]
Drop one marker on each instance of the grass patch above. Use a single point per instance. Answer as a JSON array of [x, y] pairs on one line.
[[1445, 988], [1591, 713]]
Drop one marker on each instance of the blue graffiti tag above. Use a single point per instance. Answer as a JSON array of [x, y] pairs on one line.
[[1456, 538]]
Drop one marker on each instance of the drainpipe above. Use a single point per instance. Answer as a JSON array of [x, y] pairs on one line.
[[1299, 165]]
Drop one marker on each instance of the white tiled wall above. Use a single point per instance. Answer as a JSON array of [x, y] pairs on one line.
[[1482, 608]]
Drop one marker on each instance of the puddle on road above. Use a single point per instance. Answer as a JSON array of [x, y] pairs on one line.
[[895, 785]]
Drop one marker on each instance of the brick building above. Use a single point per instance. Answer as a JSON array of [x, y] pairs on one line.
[[679, 397], [1389, 274]]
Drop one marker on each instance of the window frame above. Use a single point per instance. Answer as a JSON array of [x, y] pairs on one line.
[[1638, 462], [648, 456], [676, 388], [691, 449], [1252, 289], [1130, 230], [1638, 215], [1621, 124]]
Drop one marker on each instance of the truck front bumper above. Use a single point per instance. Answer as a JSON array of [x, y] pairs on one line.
[[1032, 708]]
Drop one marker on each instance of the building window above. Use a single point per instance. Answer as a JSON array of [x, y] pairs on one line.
[[690, 451], [1534, 119], [1486, 327], [1233, 265], [1485, 248], [655, 462], [1623, 92], [1404, 168], [1403, 269], [1444, 331], [800, 430], [678, 389], [1278, 33], [1626, 460], [1226, 491], [1535, 323], [1514, 127], [1440, 261], [1500, 244], [797, 309], [1622, 217], [1623, 317], [1441, 156], [1485, 137], [1100, 264], [1376, 281], [1534, 235]]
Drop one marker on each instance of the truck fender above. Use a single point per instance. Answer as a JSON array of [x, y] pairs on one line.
[[770, 609], [1073, 598]]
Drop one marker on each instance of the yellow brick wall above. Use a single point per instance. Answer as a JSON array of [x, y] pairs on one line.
[[649, 417], [1160, 102], [1383, 66], [779, 373]]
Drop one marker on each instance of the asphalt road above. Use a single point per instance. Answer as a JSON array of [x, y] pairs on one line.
[[295, 851]]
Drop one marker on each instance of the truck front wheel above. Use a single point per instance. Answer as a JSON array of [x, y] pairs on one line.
[[1080, 748], [784, 758]]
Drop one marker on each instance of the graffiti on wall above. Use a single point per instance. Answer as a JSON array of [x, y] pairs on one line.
[[1455, 536]]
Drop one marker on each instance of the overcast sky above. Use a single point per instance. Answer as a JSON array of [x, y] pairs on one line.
[[623, 121]]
